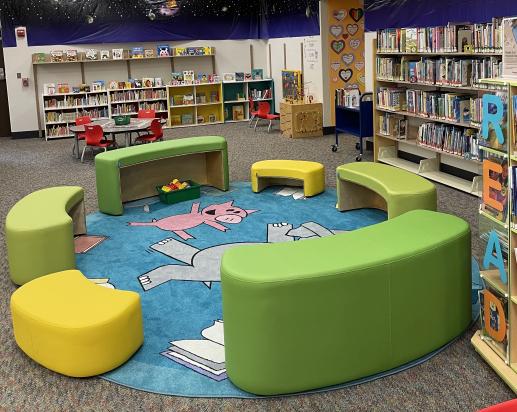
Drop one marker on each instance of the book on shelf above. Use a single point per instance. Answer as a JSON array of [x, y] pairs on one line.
[[39, 57], [187, 119], [177, 77], [98, 85], [200, 98], [188, 76], [56, 56], [238, 112], [175, 119], [510, 48], [91, 54], [163, 50], [137, 53], [148, 82], [229, 77], [200, 119], [117, 54], [393, 125], [49, 88], [239, 76], [71, 55], [149, 53], [392, 98], [188, 99], [214, 96], [104, 54], [257, 74], [440, 106]]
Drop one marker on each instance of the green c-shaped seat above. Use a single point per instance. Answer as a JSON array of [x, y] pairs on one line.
[[39, 232], [367, 184], [315, 313]]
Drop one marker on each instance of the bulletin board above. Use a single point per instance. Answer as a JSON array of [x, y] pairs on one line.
[[345, 28]]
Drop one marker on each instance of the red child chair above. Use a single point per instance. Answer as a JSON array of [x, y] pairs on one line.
[[80, 121], [264, 109], [253, 112], [156, 133], [94, 136], [146, 114]]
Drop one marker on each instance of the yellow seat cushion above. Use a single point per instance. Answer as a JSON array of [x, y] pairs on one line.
[[72, 326], [270, 172]]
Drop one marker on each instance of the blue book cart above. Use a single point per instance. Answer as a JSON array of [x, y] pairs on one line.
[[355, 121]]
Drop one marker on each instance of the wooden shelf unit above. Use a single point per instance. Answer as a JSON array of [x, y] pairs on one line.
[[505, 364], [387, 148]]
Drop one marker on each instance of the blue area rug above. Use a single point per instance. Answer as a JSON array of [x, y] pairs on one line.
[[170, 255]]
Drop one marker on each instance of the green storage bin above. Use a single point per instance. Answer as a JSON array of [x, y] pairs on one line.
[[122, 120], [192, 192]]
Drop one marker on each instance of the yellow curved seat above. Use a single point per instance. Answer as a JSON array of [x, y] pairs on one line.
[[310, 175], [68, 324]]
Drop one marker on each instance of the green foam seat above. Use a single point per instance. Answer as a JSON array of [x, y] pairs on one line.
[[39, 232], [368, 184], [133, 172], [315, 313]]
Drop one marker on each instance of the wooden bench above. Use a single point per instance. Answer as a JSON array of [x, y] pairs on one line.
[[133, 173]]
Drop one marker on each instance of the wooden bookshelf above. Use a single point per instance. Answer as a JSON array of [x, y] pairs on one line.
[[461, 172]]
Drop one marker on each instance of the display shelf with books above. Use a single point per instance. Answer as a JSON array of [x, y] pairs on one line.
[[195, 104], [435, 100], [496, 341]]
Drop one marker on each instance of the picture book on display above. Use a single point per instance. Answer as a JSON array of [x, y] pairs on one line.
[[91, 54], [71, 55], [163, 50], [105, 54], [137, 52], [257, 74], [118, 54]]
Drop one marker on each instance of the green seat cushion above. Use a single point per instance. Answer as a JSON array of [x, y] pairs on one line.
[[40, 234], [314, 313], [43, 209], [146, 152], [384, 179]]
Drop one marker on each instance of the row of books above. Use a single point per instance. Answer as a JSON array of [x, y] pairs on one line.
[[348, 97], [441, 72], [188, 99], [70, 117], [257, 94], [126, 108], [58, 131], [455, 140], [392, 98], [161, 50], [514, 195], [157, 106], [138, 95], [452, 38], [69, 101], [393, 125], [183, 119], [444, 106]]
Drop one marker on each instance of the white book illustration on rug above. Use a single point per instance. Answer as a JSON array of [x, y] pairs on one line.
[[205, 356], [296, 192]]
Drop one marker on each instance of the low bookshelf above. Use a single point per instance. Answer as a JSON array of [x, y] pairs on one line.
[[237, 95], [427, 101], [61, 109]]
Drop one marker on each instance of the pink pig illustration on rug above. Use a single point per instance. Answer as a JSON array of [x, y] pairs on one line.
[[210, 215]]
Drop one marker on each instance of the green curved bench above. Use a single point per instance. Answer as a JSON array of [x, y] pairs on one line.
[[39, 232], [305, 315], [133, 173], [381, 186]]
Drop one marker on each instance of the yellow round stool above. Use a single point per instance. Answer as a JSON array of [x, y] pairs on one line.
[[310, 175], [72, 326]]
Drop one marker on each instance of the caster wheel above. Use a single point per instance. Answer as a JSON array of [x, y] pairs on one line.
[[357, 146], [359, 158], [334, 148]]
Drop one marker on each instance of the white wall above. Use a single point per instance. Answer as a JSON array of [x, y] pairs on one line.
[[312, 69], [369, 59], [231, 56]]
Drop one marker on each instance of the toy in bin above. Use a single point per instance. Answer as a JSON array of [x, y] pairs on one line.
[[177, 191]]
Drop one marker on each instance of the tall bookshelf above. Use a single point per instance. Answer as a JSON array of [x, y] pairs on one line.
[[496, 341], [415, 72]]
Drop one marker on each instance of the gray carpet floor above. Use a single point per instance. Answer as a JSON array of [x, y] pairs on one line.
[[455, 380]]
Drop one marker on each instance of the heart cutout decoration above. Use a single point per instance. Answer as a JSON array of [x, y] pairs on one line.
[[347, 58], [336, 30], [335, 66], [337, 45], [356, 14], [352, 86], [354, 44], [359, 65], [334, 79], [346, 75], [345, 36], [361, 79], [352, 28], [339, 15]]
